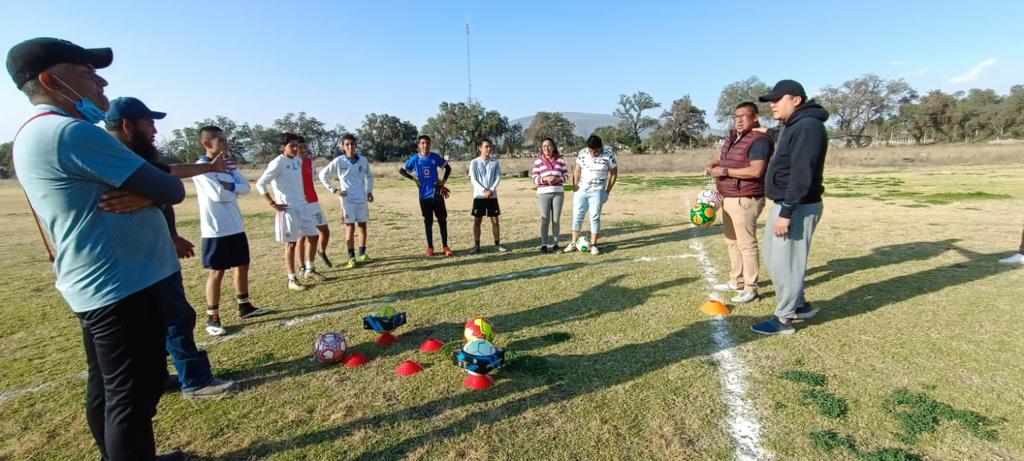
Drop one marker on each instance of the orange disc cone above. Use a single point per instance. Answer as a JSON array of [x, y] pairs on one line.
[[431, 345], [478, 382], [386, 339], [408, 368], [714, 307], [356, 359]]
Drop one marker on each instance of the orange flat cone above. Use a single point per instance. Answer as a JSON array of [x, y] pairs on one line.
[[714, 307], [408, 368], [478, 382], [386, 339], [431, 345], [356, 359]]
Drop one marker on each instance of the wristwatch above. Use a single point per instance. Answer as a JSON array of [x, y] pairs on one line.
[[725, 172]]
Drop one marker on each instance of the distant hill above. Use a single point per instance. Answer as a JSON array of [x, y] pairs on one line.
[[585, 123]]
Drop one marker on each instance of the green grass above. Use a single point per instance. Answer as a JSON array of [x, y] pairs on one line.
[[827, 404], [608, 357], [805, 377]]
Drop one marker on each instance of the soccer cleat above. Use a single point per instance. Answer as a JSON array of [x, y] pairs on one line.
[[474, 250], [213, 327], [744, 297], [727, 287], [448, 250], [215, 390], [500, 249], [295, 285], [544, 249], [805, 312], [248, 311], [351, 263], [773, 326], [594, 250], [323, 259], [176, 455], [312, 274], [569, 248], [1015, 260], [430, 251], [364, 259]]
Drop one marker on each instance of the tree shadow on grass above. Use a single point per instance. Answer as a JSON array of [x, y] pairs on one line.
[[550, 379], [879, 257]]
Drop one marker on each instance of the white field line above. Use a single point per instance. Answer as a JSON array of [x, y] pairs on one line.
[[744, 427], [8, 395]]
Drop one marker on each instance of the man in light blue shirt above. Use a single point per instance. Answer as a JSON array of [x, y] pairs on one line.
[[111, 267]]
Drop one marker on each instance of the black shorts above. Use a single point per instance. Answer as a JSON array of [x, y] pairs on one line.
[[485, 207], [434, 206], [222, 253]]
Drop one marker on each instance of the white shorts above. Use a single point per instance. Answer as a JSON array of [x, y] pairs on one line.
[[317, 214], [353, 213], [293, 223]]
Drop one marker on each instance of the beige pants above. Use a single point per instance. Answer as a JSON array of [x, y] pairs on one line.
[[740, 229]]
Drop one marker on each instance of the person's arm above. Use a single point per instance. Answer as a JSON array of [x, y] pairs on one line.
[[405, 174], [613, 175], [219, 164], [209, 188], [808, 144], [535, 172], [447, 172], [263, 183], [475, 173], [242, 186], [160, 187], [327, 174], [758, 154], [369, 182], [497, 179]]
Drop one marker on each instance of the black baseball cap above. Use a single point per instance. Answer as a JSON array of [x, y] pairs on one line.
[[784, 87], [27, 59], [131, 109]]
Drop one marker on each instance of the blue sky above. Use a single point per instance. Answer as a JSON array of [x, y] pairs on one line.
[[255, 61]]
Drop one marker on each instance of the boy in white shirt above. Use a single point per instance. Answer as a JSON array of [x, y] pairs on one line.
[[356, 190], [225, 245], [292, 222], [485, 175]]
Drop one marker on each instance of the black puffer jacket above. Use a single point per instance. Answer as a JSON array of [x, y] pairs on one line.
[[795, 173]]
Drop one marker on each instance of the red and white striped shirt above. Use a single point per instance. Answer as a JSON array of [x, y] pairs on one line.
[[544, 167]]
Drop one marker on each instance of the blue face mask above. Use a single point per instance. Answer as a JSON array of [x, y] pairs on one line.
[[84, 106]]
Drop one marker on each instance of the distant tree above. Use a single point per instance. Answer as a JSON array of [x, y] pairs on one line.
[[552, 125], [322, 141], [936, 115], [6, 155], [634, 122], [611, 136], [262, 143], [513, 142], [384, 137], [183, 144], [742, 91], [682, 125], [1011, 117], [982, 111], [864, 101], [457, 127]]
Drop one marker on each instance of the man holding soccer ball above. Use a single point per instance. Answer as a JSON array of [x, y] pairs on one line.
[[739, 175]]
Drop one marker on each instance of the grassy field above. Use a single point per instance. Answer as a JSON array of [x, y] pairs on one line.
[[916, 351]]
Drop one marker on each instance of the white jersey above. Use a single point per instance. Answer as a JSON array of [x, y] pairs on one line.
[[594, 170], [354, 177], [285, 174], [219, 215]]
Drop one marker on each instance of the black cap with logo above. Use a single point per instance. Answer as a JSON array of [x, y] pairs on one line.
[[27, 59]]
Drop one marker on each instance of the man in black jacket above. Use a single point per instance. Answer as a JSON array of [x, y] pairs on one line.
[[793, 182]]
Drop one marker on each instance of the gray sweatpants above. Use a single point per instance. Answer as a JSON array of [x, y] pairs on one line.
[[786, 257], [550, 213]]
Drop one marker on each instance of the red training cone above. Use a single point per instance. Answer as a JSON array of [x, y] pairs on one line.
[[356, 359], [431, 345], [386, 339], [479, 382], [408, 368]]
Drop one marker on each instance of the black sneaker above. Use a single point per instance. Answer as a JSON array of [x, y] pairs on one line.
[[172, 384], [544, 249], [213, 327], [176, 455], [475, 250], [323, 259], [247, 311]]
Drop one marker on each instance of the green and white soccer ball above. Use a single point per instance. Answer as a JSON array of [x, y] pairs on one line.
[[583, 244]]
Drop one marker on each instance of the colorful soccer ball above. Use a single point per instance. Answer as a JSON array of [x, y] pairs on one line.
[[329, 348], [479, 328], [583, 244], [479, 348], [385, 312], [702, 214], [710, 197]]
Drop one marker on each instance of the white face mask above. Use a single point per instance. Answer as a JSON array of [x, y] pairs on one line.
[[84, 106]]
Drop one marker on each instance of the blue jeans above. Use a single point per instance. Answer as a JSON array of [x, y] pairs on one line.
[[192, 364], [584, 201]]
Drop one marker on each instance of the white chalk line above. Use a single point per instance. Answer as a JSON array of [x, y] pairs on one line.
[[744, 427]]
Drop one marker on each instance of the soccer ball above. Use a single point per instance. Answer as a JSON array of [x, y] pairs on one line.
[[385, 312], [479, 348], [702, 214], [329, 348], [583, 244], [479, 328], [710, 197]]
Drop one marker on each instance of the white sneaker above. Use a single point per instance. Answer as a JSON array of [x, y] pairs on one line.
[[744, 297], [1014, 260], [726, 287], [594, 250], [569, 248], [295, 285], [215, 390]]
